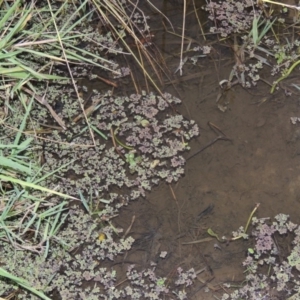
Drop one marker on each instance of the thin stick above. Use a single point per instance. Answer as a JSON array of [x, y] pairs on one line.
[[197, 17], [43, 101], [215, 128], [129, 228], [109, 82], [221, 136], [160, 12], [282, 4], [87, 112], [114, 143], [182, 37], [178, 215], [113, 138], [208, 239]]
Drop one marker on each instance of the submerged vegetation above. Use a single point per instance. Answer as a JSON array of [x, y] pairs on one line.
[[73, 154]]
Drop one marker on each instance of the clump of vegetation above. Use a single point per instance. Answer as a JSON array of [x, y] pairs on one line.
[[262, 37], [271, 267], [100, 152]]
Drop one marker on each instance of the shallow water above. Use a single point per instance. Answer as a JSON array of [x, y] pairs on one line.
[[258, 165]]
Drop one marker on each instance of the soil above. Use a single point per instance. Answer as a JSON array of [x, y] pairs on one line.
[[258, 165]]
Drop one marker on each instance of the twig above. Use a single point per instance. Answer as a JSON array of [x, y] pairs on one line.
[[208, 239], [182, 37], [88, 111], [43, 101], [221, 136], [129, 228], [109, 82], [178, 214], [114, 143]]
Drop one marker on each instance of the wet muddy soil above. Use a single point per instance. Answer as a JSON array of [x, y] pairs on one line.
[[259, 164]]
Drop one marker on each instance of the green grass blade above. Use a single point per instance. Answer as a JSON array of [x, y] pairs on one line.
[[8, 163], [6, 41], [266, 29], [53, 172], [8, 207], [24, 145], [25, 184], [24, 121], [23, 283], [99, 132], [9, 54], [83, 201], [37, 75], [30, 222], [53, 210], [40, 54], [8, 13], [67, 27], [78, 57]]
